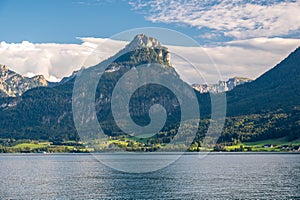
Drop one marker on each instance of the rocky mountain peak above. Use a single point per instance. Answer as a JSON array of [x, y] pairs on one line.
[[3, 68], [41, 79], [221, 86], [143, 41], [3, 71], [142, 49], [13, 84]]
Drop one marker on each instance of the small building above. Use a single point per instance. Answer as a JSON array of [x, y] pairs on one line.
[[268, 146], [296, 148]]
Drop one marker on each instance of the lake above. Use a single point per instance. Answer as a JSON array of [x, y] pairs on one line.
[[215, 176]]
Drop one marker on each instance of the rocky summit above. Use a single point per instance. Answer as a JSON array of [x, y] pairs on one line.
[[143, 41], [265, 108], [13, 84], [221, 86], [149, 45]]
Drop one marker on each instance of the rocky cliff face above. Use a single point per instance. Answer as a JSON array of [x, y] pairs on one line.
[[221, 86], [142, 50], [46, 112], [143, 41], [150, 46], [13, 84]]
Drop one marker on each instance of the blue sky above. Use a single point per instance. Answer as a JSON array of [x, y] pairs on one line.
[[205, 21], [54, 37], [62, 21]]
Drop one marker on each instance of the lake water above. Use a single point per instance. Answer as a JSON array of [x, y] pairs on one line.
[[216, 176]]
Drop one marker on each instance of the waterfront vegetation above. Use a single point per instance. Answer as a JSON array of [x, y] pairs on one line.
[[35, 146]]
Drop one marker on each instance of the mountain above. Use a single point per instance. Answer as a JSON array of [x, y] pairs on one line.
[[139, 54], [221, 86], [69, 78], [46, 113], [13, 84], [276, 89], [267, 107]]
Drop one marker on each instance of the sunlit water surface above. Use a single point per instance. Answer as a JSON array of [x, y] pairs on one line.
[[216, 176]]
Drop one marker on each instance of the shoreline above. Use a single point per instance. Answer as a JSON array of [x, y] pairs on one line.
[[152, 153]]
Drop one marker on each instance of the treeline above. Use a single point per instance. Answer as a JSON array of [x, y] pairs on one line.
[[34, 146], [256, 127]]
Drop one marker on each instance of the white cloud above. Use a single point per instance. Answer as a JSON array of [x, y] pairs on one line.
[[249, 58], [240, 19], [210, 36], [52, 60]]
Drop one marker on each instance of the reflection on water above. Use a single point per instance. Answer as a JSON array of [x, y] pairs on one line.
[[217, 176]]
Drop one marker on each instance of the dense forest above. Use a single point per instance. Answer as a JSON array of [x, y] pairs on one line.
[[268, 107]]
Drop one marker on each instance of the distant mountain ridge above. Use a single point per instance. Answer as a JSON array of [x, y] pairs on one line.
[[221, 86], [267, 107], [46, 113], [13, 84], [276, 89]]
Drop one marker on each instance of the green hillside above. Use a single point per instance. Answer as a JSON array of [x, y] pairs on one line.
[[266, 108]]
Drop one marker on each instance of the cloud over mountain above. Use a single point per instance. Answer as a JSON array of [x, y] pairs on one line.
[[50, 59], [249, 58]]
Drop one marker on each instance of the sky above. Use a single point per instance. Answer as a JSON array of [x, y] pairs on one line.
[[242, 37]]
